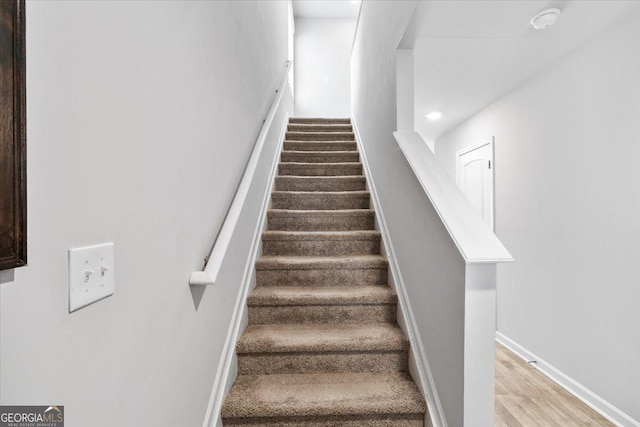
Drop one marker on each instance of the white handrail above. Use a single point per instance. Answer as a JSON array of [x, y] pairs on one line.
[[214, 261], [473, 237]]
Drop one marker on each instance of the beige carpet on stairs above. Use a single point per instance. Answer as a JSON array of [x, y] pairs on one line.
[[322, 347]]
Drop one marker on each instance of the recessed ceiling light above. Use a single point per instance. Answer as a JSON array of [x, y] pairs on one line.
[[545, 18], [434, 115]]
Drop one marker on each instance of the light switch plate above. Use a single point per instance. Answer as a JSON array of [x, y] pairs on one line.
[[91, 273]]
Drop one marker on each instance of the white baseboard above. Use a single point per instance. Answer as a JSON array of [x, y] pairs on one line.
[[597, 403], [223, 381], [425, 377]]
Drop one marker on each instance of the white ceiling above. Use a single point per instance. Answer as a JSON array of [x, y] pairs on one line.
[[326, 8], [468, 54]]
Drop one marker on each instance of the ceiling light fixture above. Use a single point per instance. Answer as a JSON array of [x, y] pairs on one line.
[[434, 115], [545, 18]]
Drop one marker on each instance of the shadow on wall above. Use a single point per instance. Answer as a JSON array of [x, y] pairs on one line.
[[197, 292], [7, 276]]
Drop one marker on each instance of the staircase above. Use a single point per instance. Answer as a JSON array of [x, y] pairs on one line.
[[322, 347]]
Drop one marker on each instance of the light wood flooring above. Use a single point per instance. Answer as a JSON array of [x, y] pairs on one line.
[[526, 397]]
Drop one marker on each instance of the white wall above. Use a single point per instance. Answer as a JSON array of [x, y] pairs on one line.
[[432, 269], [405, 89], [567, 207], [322, 77], [141, 117]]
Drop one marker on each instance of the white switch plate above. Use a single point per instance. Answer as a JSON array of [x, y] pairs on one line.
[[90, 275]]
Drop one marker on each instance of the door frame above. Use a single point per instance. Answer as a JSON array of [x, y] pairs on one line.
[[490, 141]]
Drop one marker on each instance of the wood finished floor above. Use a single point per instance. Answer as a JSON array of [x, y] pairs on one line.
[[526, 397]]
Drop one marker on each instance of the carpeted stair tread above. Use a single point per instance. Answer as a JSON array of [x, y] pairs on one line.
[[323, 152], [321, 235], [326, 120], [320, 156], [377, 305], [321, 243], [323, 193], [320, 127], [310, 152], [322, 212], [311, 164], [320, 183], [321, 220], [323, 394], [386, 420], [328, 295], [319, 136], [320, 199], [320, 169], [288, 338], [320, 145], [283, 262]]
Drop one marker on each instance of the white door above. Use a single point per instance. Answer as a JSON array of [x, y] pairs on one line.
[[474, 176]]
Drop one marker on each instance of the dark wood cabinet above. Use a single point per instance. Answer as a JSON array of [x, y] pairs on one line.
[[13, 183]]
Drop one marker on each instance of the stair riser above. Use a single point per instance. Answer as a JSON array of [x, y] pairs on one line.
[[328, 157], [380, 313], [324, 202], [319, 169], [401, 420], [319, 136], [320, 146], [329, 277], [311, 127], [320, 184], [321, 223], [320, 247], [306, 363], [318, 120]]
